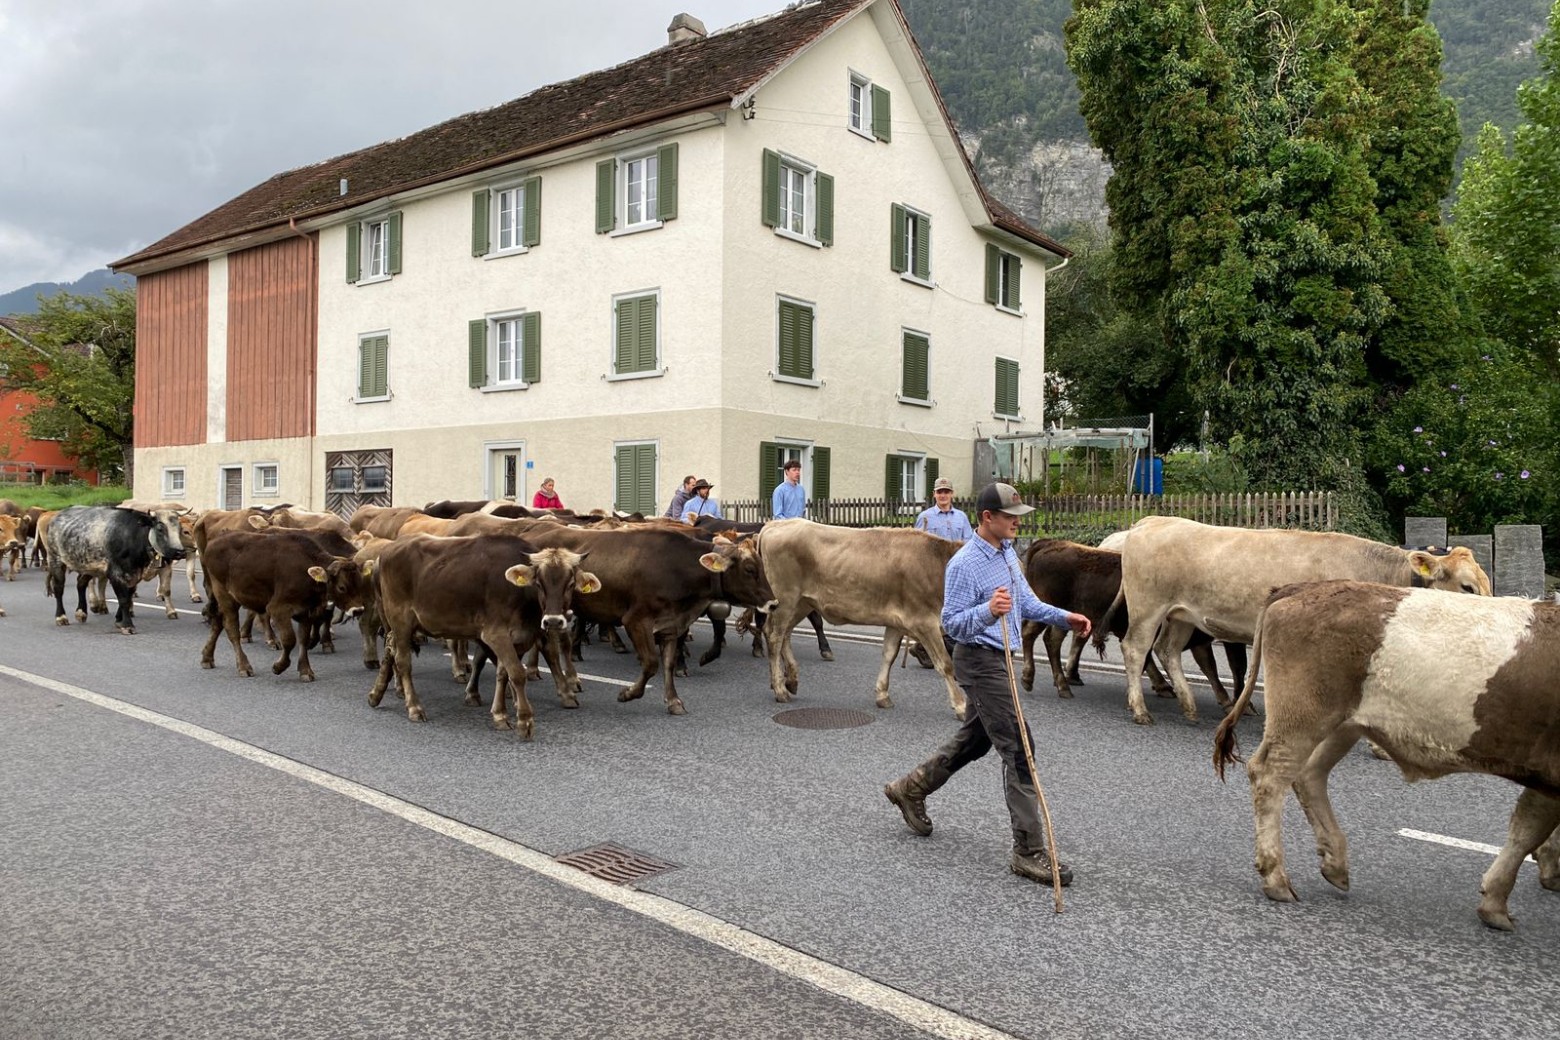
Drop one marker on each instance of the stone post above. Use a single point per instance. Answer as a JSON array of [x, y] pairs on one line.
[[1424, 530], [1519, 560]]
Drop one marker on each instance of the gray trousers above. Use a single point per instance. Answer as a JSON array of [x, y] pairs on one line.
[[990, 723]]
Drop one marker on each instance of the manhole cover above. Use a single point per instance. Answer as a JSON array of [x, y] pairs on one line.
[[615, 863], [822, 718]]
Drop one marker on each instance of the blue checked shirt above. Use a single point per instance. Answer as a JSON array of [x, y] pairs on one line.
[[953, 524], [975, 572], [789, 500]]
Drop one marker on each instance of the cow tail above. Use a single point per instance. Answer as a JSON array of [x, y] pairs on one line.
[[1102, 626], [1225, 747]]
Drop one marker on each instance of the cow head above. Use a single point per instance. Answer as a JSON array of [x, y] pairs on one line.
[[165, 535], [556, 576], [741, 572], [10, 532], [187, 521], [346, 582], [1457, 571]]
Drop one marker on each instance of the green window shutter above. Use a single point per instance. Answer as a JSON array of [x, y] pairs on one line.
[[666, 182], [804, 342], [897, 247], [993, 272], [354, 252], [893, 472], [372, 357], [381, 366], [627, 326], [532, 233], [394, 249], [479, 223], [768, 474], [786, 361], [820, 473], [916, 350], [825, 209], [476, 351], [932, 471], [644, 356], [531, 346], [624, 478], [606, 198], [1010, 294], [771, 206], [644, 479], [922, 266], [1007, 387], [882, 115]]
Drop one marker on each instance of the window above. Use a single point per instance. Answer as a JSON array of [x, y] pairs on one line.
[[1002, 277], [1006, 406], [915, 354], [376, 479], [173, 482], [910, 247], [267, 479], [341, 480], [869, 109], [794, 340], [373, 367], [798, 200], [505, 350], [904, 477], [374, 249], [634, 477], [772, 457], [636, 342], [506, 220], [636, 192]]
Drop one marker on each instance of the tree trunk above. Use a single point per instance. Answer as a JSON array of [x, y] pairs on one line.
[[128, 451]]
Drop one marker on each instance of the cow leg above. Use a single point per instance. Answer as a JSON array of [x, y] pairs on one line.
[[615, 640], [1548, 856], [1173, 638], [82, 581], [1202, 653], [1311, 789], [324, 633], [192, 557], [15, 554], [718, 627], [100, 596], [783, 676], [533, 656], [214, 626], [228, 611], [554, 646], [376, 693], [124, 616], [824, 650], [670, 643], [1272, 771], [1054, 638], [403, 675], [460, 667], [1135, 646], [479, 660], [893, 638], [1533, 821], [938, 651], [368, 628], [504, 649], [1031, 633], [289, 639], [642, 636], [54, 585], [1074, 655]]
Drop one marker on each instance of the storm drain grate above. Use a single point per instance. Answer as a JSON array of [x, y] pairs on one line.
[[822, 718], [616, 864]]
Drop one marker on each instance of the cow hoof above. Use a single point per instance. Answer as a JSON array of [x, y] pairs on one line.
[[708, 656], [1144, 719], [1027, 681], [100, 610], [1064, 693], [1280, 891], [81, 617], [472, 699], [271, 644], [246, 672], [526, 729], [569, 702], [1499, 920], [372, 666], [1166, 692], [278, 668], [533, 673], [1338, 877], [208, 664], [62, 620], [305, 676], [417, 715], [961, 713], [783, 696], [1549, 879], [502, 722], [758, 651], [791, 686], [628, 693], [675, 707], [827, 655], [173, 615], [125, 630], [1076, 679], [1191, 717], [195, 598], [328, 648], [885, 701], [578, 686]]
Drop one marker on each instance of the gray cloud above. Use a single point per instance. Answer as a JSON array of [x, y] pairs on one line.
[[123, 120]]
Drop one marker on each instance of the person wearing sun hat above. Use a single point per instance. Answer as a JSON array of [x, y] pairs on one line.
[[941, 518], [700, 503], [983, 591]]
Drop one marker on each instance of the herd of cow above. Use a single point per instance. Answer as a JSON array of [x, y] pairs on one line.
[[1356, 638]]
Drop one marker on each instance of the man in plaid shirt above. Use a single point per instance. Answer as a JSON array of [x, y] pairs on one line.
[[983, 590]]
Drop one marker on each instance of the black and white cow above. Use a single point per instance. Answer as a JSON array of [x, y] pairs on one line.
[[101, 541]]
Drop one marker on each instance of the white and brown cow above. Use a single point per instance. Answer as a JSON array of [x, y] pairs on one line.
[[868, 576], [1178, 576], [1347, 659]]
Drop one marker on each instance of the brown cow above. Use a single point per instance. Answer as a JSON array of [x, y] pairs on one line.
[[280, 574], [1443, 683], [381, 521], [9, 538], [498, 589]]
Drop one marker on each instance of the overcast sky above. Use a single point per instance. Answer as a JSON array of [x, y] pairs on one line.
[[123, 120]]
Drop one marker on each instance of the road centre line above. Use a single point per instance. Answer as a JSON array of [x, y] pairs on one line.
[[1456, 843], [848, 985]]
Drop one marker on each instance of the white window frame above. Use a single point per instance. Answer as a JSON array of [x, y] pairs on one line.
[[654, 371], [927, 401], [650, 187], [1003, 259], [918, 222], [495, 324], [358, 375], [175, 482], [655, 477], [1020, 372], [775, 372], [330, 486], [912, 469], [496, 210], [489, 487], [858, 105], [363, 482], [375, 268], [257, 488], [792, 169], [802, 451]]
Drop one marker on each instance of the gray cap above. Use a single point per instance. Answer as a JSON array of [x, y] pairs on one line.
[[942, 484], [1001, 498]]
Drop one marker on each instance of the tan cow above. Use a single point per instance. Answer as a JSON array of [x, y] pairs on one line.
[[870, 576], [1178, 576], [381, 521], [1443, 683], [10, 528]]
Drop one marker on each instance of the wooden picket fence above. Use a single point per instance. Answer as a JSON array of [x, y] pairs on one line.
[[1087, 518]]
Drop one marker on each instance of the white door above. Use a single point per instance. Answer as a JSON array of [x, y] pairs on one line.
[[506, 473]]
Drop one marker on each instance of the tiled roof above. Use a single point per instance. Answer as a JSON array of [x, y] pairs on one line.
[[672, 80]]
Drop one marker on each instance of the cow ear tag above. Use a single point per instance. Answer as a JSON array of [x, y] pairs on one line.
[[588, 583], [519, 574], [318, 574], [369, 567], [714, 562]]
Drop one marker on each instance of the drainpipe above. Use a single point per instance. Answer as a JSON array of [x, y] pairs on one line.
[[292, 223]]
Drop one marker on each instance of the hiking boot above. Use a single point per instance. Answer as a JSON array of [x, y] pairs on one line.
[[1036, 866], [909, 794]]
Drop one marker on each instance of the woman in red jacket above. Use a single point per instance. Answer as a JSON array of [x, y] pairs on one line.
[[547, 497]]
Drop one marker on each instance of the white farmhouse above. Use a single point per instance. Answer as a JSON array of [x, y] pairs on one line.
[[748, 245]]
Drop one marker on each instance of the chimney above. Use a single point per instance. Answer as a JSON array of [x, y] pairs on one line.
[[684, 27]]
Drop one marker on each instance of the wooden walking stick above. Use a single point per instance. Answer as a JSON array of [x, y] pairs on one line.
[[1029, 757]]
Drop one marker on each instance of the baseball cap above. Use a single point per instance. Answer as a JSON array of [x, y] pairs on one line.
[[942, 484], [1001, 498]]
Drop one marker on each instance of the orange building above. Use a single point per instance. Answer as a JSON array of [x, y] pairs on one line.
[[25, 459]]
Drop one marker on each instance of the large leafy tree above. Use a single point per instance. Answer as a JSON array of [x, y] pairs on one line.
[[80, 363]]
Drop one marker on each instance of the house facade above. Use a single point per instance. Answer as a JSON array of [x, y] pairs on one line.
[[749, 245], [25, 459]]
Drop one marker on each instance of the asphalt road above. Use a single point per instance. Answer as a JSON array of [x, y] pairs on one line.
[[188, 853]]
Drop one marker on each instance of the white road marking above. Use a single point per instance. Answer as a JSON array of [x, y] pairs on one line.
[[830, 978], [1456, 843]]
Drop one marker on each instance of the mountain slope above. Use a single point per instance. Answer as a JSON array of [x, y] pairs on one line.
[[25, 299]]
